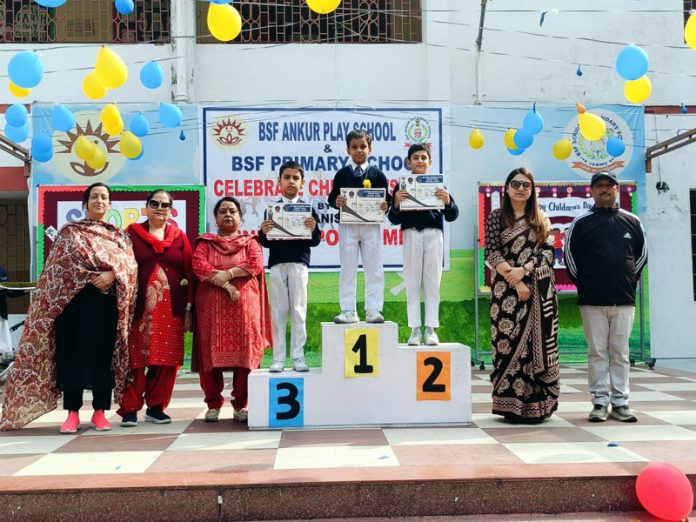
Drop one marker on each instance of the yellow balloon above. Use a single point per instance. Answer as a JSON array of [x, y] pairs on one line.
[[115, 129], [98, 160], [93, 88], [131, 146], [562, 149], [19, 92], [690, 31], [110, 115], [85, 148], [637, 91], [476, 139], [110, 68], [509, 139], [592, 127], [224, 22], [325, 7]]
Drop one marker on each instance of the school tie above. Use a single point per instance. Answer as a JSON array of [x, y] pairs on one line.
[[358, 172]]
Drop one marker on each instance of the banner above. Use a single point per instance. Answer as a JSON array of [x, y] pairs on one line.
[[243, 149]]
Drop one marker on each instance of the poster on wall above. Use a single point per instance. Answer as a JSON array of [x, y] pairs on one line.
[[58, 205], [562, 202], [243, 149]]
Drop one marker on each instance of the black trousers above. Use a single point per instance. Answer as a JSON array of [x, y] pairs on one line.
[[101, 399]]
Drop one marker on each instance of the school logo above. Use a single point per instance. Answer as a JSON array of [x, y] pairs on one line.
[[229, 132], [589, 157], [417, 131]]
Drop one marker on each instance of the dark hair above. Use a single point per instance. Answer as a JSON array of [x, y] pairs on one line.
[[417, 147], [531, 210], [358, 134], [159, 191], [230, 199], [88, 191], [290, 164]]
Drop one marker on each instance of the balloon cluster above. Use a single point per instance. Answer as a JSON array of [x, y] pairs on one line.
[[17, 123], [632, 65], [110, 72], [41, 148], [90, 152], [224, 21], [25, 70], [326, 7], [592, 127], [519, 140]]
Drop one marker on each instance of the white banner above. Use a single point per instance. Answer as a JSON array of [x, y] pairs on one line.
[[244, 148]]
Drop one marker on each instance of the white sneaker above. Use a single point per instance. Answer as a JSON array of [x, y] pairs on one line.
[[431, 338], [415, 338], [373, 316], [241, 415], [346, 317], [276, 367], [212, 415], [300, 365]]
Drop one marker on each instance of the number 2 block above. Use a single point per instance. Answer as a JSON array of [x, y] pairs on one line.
[[433, 376], [285, 403]]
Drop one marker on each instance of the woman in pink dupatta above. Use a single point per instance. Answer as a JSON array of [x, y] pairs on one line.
[[76, 331], [232, 320]]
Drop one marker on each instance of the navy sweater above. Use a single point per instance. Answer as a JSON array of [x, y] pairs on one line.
[[422, 219], [344, 178], [291, 250]]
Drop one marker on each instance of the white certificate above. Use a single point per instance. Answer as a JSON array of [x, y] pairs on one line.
[[288, 220], [363, 205], [421, 191]]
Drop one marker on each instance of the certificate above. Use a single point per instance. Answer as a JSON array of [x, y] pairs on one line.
[[363, 205], [288, 220], [421, 191]]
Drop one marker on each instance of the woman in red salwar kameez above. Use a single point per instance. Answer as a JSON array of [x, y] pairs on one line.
[[162, 311], [232, 320]]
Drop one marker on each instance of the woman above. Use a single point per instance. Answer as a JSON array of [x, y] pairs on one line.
[[232, 326], [76, 332], [162, 311], [524, 312]]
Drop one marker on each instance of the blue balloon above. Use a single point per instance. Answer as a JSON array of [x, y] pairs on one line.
[[17, 134], [615, 147], [632, 62], [62, 119], [170, 115], [533, 123], [26, 69], [16, 115], [523, 138], [517, 151], [50, 3], [139, 125], [151, 75], [125, 7], [41, 148]]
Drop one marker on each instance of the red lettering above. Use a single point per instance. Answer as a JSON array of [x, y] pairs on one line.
[[330, 236], [394, 236], [217, 187]]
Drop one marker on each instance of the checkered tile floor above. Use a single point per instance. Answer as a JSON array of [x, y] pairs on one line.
[[665, 401]]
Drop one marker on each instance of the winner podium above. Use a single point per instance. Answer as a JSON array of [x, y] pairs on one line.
[[367, 379]]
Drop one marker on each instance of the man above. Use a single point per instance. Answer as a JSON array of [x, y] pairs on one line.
[[605, 253]]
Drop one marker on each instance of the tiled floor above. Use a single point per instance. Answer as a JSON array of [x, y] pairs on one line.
[[664, 399]]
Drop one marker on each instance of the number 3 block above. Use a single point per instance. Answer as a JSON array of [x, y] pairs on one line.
[[285, 403]]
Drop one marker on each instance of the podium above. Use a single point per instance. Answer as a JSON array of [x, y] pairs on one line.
[[366, 379]]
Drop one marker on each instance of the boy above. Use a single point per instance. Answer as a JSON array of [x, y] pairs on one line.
[[363, 240], [288, 262], [423, 250]]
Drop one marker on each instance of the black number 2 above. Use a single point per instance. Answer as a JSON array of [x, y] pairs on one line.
[[290, 400], [429, 383], [361, 346]]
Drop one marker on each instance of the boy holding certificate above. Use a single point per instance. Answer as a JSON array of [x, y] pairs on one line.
[[423, 243], [288, 231], [362, 236]]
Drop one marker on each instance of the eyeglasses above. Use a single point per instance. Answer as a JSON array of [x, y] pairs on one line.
[[517, 184], [154, 205]]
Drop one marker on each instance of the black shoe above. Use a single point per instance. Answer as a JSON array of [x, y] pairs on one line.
[[157, 416], [130, 420]]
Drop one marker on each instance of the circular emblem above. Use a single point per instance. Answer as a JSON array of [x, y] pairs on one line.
[[229, 132], [418, 130]]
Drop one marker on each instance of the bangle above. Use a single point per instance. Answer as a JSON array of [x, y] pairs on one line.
[[230, 271], [188, 307]]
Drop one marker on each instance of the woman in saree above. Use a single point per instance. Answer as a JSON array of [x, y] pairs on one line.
[[76, 332], [163, 311], [232, 320], [524, 311]]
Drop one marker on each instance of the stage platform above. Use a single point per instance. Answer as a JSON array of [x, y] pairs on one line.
[[192, 470]]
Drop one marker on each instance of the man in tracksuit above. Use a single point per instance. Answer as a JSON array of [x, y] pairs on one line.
[[605, 253]]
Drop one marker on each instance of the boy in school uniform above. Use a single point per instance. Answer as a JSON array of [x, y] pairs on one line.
[[288, 261], [423, 250], [359, 240]]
